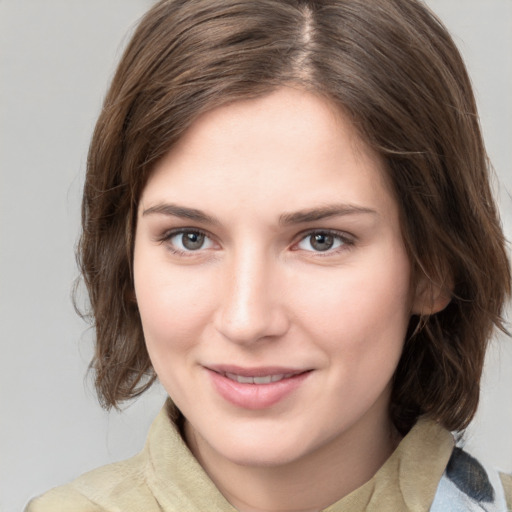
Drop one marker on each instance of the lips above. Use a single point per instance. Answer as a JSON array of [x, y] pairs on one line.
[[264, 379], [255, 388], [260, 371]]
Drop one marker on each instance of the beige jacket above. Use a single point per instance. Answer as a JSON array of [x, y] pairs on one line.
[[165, 477]]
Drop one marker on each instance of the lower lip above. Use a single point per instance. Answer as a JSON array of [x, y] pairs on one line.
[[255, 396]]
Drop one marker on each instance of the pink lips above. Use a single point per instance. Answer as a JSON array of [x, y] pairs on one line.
[[255, 388]]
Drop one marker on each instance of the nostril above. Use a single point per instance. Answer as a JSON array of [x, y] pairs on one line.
[[248, 326], [249, 307]]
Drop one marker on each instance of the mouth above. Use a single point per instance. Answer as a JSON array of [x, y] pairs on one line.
[[256, 388], [262, 379], [256, 375]]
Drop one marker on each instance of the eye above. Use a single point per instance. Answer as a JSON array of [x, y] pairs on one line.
[[323, 241], [188, 240]]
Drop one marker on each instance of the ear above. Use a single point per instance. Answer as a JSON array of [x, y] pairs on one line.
[[431, 297]]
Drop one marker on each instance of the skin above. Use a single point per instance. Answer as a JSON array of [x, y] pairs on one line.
[[258, 293]]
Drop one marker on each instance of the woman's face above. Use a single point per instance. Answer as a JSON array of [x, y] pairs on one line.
[[272, 280]]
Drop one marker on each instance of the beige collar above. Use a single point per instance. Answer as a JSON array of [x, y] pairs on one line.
[[406, 482]]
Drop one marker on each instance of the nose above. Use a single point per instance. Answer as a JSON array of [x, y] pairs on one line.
[[251, 301]]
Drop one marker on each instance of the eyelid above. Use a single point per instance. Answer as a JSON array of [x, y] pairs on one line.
[[166, 236], [169, 233], [348, 240]]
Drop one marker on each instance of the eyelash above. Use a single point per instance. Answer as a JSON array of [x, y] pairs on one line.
[[347, 241], [167, 236]]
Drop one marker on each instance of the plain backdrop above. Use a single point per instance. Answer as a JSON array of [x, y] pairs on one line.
[[56, 59]]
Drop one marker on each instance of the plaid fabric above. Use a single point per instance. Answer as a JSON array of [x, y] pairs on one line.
[[467, 486]]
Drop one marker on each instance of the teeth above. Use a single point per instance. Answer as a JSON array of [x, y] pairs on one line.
[[263, 380], [244, 380], [267, 379]]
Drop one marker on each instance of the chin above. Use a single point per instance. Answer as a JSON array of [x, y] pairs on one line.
[[261, 444], [263, 457]]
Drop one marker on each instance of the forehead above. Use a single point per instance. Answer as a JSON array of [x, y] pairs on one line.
[[291, 144]]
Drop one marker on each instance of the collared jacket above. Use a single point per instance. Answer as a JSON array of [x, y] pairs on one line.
[[425, 473]]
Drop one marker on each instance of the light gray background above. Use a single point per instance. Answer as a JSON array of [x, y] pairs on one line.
[[56, 57]]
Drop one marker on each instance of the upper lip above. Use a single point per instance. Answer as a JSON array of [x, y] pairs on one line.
[[260, 371]]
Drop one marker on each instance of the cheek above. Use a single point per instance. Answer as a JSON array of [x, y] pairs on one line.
[[360, 324], [367, 306], [173, 304]]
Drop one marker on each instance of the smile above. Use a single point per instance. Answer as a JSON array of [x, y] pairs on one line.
[[256, 388], [266, 379]]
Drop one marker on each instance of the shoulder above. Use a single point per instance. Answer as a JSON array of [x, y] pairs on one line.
[[506, 481], [105, 489], [62, 499]]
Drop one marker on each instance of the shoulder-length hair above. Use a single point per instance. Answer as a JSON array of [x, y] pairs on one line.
[[389, 64]]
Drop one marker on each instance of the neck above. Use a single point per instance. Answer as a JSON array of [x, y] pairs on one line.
[[308, 484]]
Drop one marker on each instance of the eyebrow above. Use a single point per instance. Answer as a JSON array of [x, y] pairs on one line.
[[183, 212], [285, 219], [324, 212]]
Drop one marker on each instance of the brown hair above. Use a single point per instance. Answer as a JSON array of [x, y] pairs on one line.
[[392, 66]]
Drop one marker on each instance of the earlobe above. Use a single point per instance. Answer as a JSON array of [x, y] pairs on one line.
[[431, 297]]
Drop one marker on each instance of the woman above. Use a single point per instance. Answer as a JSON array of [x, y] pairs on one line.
[[287, 220]]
